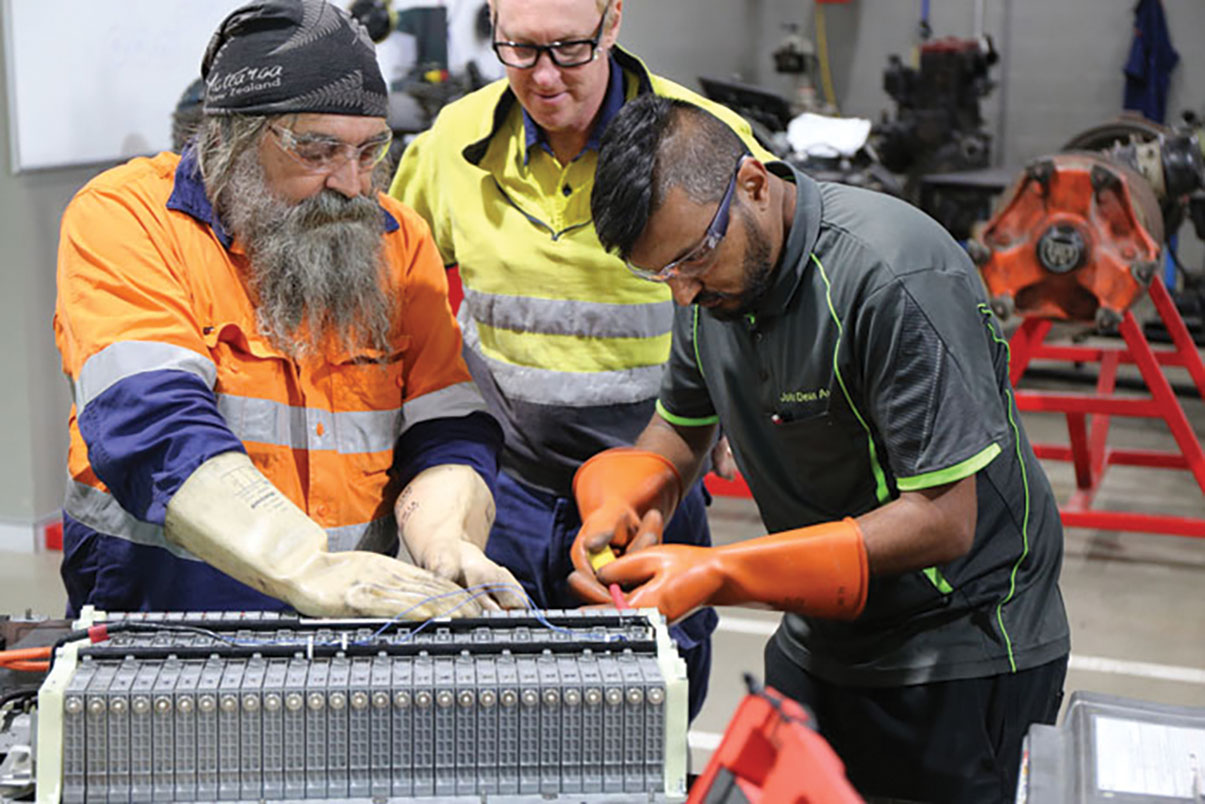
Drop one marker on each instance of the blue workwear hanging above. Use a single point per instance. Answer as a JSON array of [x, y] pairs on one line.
[[1152, 59]]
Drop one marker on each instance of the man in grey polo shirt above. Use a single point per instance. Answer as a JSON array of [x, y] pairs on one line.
[[842, 341]]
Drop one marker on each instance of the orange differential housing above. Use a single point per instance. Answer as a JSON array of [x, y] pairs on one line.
[[1078, 240]]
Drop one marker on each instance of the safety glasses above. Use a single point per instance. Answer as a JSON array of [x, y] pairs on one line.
[[318, 153], [696, 261]]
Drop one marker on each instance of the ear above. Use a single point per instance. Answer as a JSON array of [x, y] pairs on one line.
[[753, 182], [611, 35]]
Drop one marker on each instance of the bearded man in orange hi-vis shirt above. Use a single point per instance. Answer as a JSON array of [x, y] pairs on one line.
[[268, 388]]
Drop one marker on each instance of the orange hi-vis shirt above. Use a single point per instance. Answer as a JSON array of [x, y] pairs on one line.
[[157, 329]]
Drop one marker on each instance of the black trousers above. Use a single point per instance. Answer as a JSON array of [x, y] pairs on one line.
[[950, 741]]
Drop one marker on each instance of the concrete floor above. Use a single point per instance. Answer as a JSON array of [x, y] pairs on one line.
[[1136, 602]]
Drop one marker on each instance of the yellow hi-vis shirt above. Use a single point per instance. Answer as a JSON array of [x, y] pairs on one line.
[[566, 345]]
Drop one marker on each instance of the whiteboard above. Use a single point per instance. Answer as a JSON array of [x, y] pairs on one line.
[[96, 80]]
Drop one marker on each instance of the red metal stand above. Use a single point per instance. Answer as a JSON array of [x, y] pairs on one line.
[[1088, 415]]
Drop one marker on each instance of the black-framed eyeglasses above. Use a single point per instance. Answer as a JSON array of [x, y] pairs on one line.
[[567, 53], [320, 153], [697, 260]]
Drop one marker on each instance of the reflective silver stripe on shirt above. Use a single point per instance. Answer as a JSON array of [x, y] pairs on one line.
[[564, 388], [123, 359], [577, 318], [456, 400], [264, 421], [352, 537], [101, 512]]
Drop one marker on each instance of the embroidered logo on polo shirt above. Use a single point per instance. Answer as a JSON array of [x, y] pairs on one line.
[[788, 397]]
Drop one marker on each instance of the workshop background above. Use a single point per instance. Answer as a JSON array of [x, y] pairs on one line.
[[1135, 600]]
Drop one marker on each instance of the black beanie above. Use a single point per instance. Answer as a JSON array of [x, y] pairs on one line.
[[292, 56]]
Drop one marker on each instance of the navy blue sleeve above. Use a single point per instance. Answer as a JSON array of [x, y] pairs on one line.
[[148, 432], [472, 440]]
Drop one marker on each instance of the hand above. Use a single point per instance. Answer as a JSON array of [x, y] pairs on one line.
[[230, 516], [722, 463], [359, 584], [465, 564], [817, 571], [444, 516], [676, 579], [624, 495], [614, 528]]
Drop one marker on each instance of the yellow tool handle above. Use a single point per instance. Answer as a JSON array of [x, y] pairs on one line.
[[602, 558]]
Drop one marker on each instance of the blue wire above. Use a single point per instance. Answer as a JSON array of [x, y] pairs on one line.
[[484, 589], [479, 590]]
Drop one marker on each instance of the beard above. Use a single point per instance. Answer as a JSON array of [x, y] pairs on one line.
[[756, 273], [317, 266]]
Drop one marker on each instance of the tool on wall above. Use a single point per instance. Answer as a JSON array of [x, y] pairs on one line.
[[796, 56]]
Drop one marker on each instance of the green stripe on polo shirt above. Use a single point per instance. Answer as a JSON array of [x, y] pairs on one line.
[[951, 474], [986, 312], [882, 494], [938, 580], [685, 421]]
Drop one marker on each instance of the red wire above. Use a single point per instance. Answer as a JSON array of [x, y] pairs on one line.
[[617, 597]]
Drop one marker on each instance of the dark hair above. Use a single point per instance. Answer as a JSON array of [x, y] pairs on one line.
[[653, 145]]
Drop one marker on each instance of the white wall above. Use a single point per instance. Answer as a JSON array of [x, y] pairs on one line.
[[35, 399], [683, 39]]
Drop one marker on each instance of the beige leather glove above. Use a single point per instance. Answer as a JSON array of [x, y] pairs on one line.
[[232, 517], [443, 517]]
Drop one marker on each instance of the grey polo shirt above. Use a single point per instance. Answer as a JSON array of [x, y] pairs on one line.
[[874, 366]]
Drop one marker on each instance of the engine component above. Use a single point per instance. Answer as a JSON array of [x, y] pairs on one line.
[[1079, 235], [1170, 158], [583, 704], [1078, 239], [938, 126]]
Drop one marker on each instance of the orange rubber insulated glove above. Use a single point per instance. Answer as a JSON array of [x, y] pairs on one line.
[[624, 495], [819, 571]]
